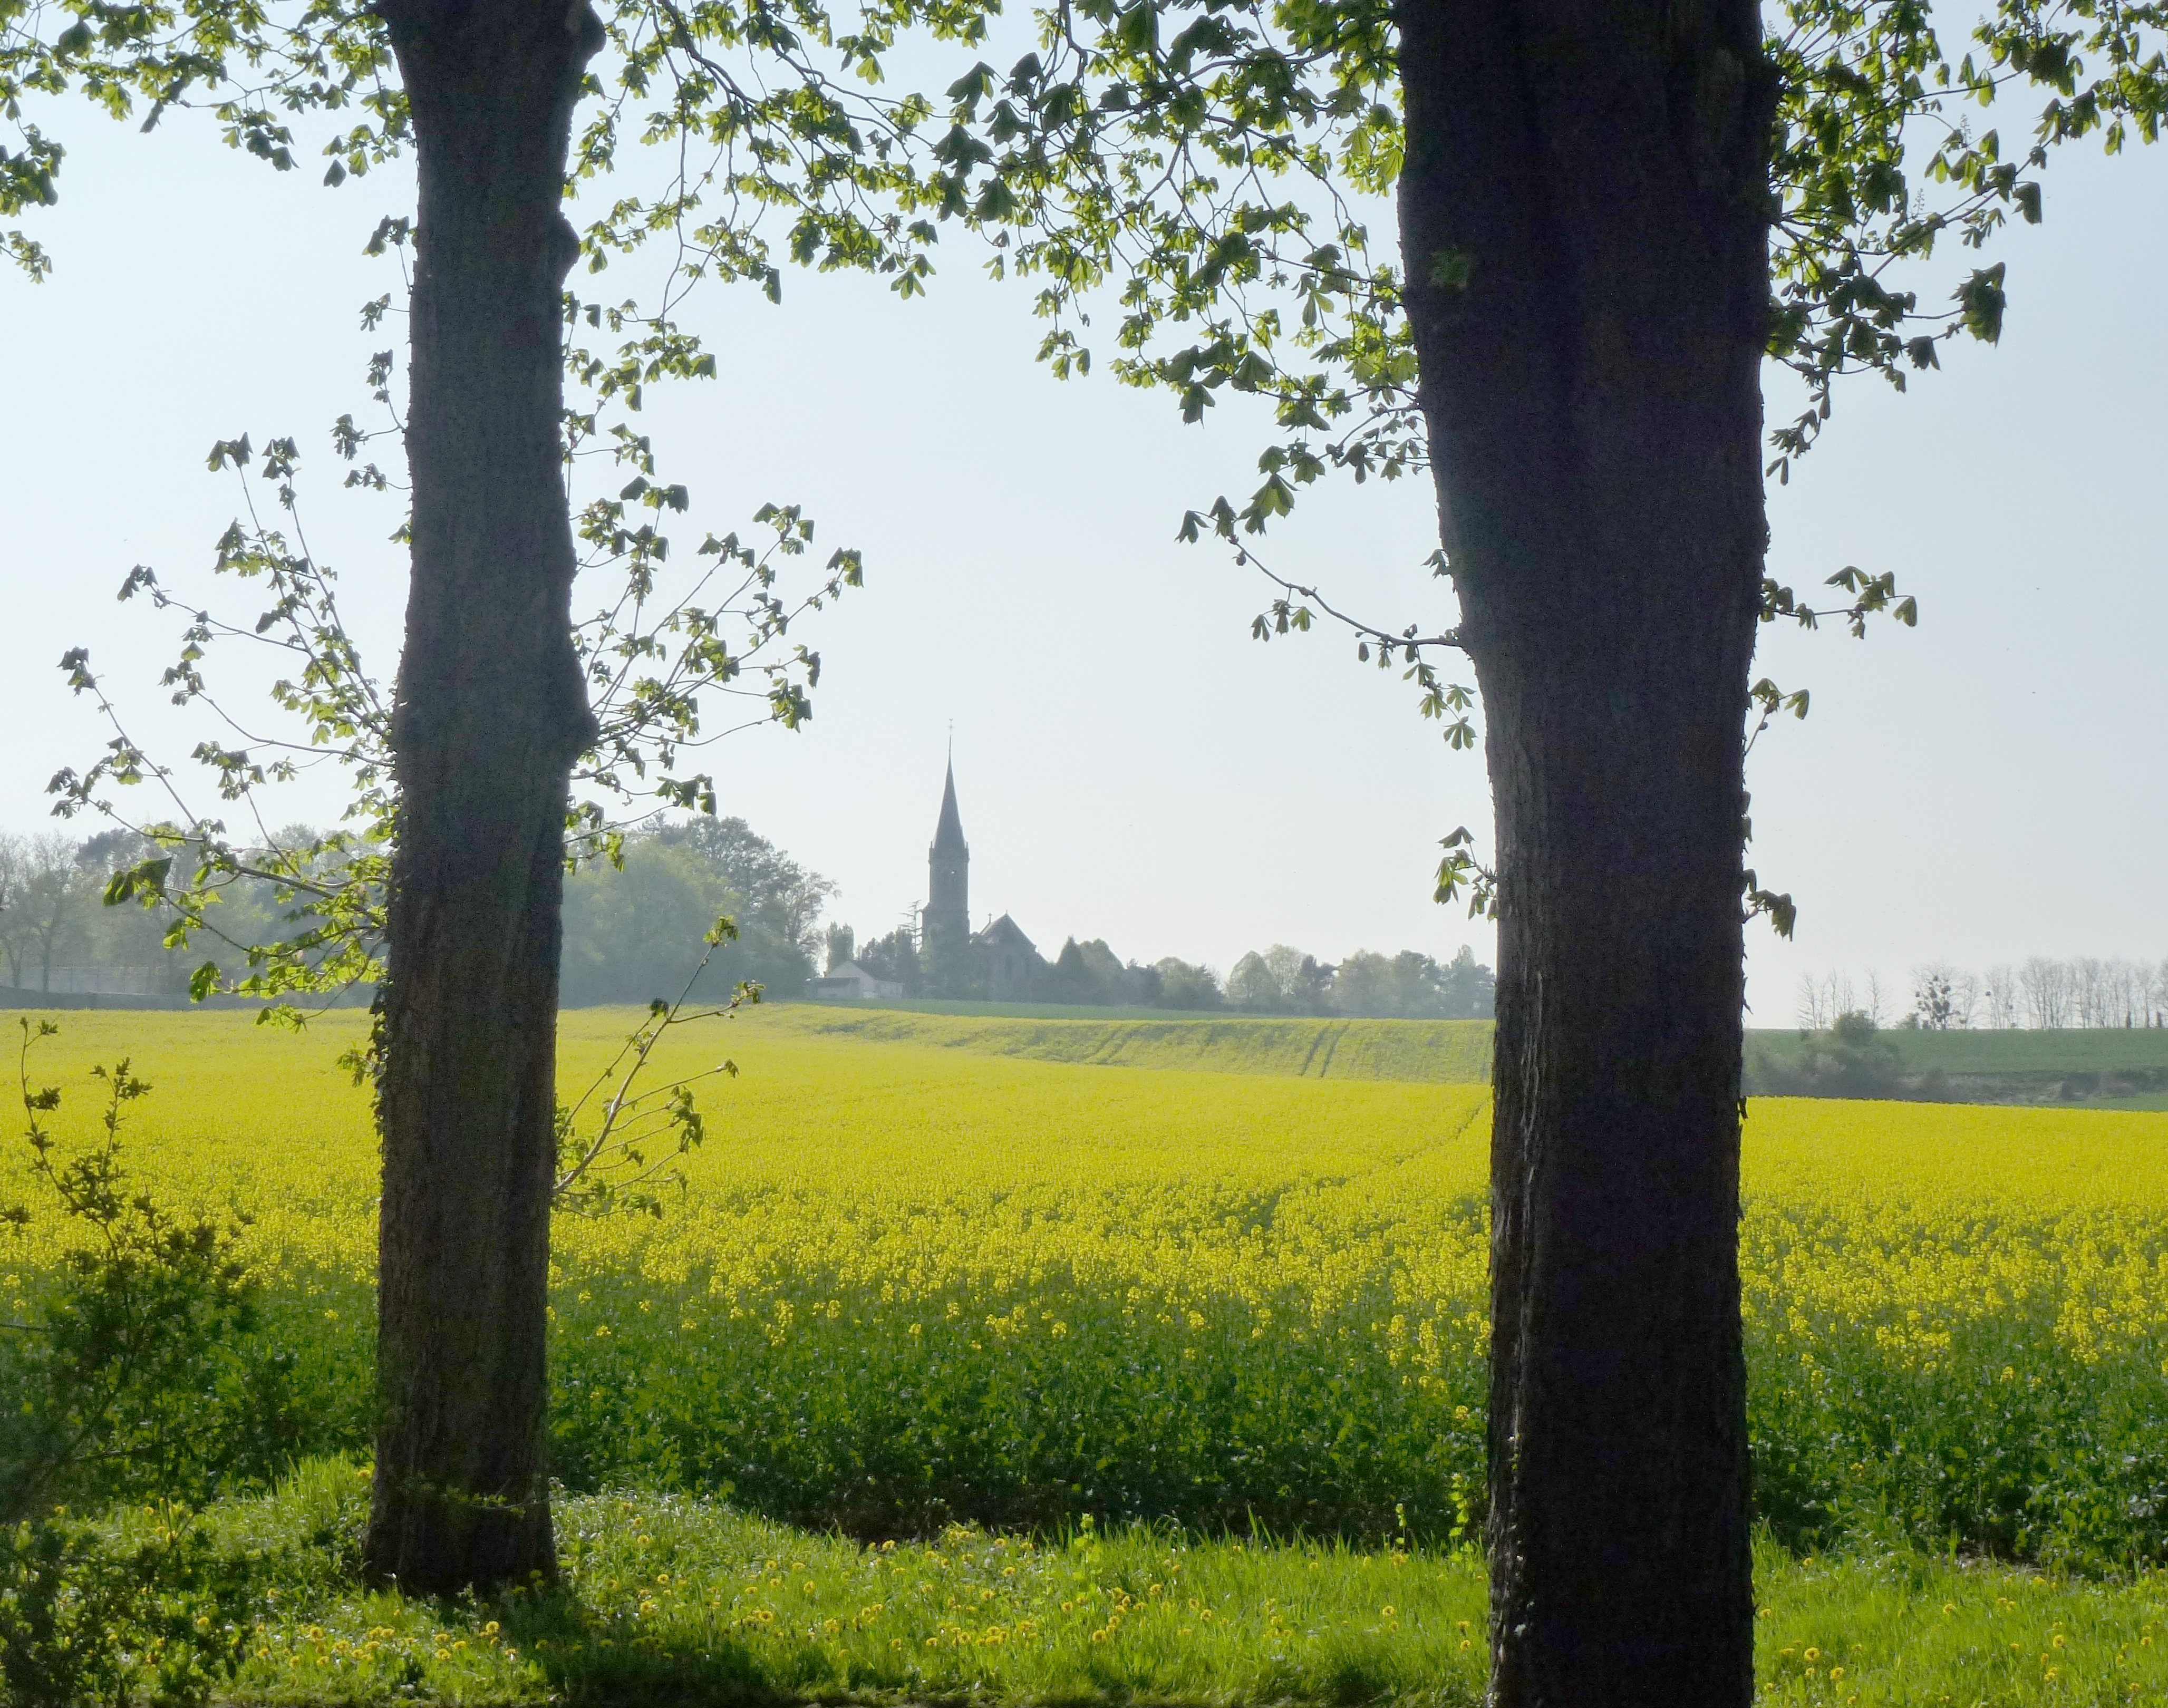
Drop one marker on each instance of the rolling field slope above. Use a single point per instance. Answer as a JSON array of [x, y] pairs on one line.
[[1432, 1052], [2106, 1070]]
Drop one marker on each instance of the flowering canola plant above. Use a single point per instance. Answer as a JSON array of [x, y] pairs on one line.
[[1005, 1264]]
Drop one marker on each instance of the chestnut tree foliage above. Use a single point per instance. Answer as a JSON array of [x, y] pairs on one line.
[[1194, 189], [1611, 220], [662, 642], [1206, 177]]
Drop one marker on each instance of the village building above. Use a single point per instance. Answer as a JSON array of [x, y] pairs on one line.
[[851, 982]]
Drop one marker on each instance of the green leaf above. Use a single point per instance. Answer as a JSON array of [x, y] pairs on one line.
[[149, 877], [1980, 300]]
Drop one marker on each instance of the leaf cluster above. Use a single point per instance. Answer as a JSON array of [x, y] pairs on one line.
[[731, 134], [1208, 164], [165, 1622], [1878, 160]]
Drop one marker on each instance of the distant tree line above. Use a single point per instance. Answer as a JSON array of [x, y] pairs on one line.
[[1278, 980], [2040, 993], [632, 932], [1410, 985], [56, 936]]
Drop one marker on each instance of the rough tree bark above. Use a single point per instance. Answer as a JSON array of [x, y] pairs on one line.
[[1584, 222], [489, 715]]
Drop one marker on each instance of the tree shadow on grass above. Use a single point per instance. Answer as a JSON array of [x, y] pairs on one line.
[[589, 1658], [661, 1655], [681, 1670]]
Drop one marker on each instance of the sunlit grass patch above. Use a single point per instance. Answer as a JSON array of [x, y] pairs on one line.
[[671, 1599], [1933, 1633]]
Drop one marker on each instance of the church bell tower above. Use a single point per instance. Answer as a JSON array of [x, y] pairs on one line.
[[947, 921]]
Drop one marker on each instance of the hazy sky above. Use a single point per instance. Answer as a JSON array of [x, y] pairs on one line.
[[1129, 763]]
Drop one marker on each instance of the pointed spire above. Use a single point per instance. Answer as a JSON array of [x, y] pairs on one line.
[[949, 834]]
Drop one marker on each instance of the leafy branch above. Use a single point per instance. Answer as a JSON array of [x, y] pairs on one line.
[[611, 1168], [652, 655], [1460, 871], [1873, 595], [1217, 158]]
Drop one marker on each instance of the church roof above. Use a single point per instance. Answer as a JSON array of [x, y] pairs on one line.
[[1006, 930], [949, 834]]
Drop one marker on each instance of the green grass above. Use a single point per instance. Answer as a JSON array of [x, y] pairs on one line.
[[2100, 1068], [1985, 1066], [1937, 1633], [1003, 1010], [1429, 1052], [2106, 1050], [673, 1599]]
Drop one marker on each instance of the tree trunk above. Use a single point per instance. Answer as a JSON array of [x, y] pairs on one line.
[[489, 715], [1583, 216]]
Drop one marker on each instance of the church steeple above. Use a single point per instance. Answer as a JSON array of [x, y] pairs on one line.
[[949, 834], [946, 924]]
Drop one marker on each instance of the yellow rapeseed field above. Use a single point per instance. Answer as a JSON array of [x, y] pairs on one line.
[[912, 1275], [910, 1168]]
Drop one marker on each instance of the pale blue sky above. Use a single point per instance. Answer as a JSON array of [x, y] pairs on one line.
[[1129, 763]]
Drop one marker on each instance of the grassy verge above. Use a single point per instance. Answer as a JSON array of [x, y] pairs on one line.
[[666, 1599], [2103, 1069], [2154, 1104]]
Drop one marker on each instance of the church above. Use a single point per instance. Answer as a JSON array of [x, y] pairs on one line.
[[939, 955], [997, 963]]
